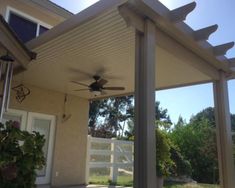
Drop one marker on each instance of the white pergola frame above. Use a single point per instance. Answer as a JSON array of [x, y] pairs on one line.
[[146, 34], [155, 24]]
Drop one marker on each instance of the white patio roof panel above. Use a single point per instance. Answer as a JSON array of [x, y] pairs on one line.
[[104, 43]]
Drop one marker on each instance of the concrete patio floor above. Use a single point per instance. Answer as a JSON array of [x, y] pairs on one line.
[[89, 186]]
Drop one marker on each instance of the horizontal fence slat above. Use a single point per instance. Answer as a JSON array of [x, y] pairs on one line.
[[109, 141], [101, 152], [100, 140], [109, 152], [108, 165]]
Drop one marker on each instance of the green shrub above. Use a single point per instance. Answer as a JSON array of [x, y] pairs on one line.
[[21, 155], [169, 160], [163, 156]]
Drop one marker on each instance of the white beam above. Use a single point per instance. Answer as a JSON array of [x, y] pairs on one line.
[[222, 49], [223, 130], [131, 18], [180, 14], [204, 33], [173, 47], [181, 32], [145, 146]]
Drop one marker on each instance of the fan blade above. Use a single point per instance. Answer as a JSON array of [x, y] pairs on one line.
[[78, 71], [81, 90], [103, 92], [102, 82], [114, 88], [79, 83]]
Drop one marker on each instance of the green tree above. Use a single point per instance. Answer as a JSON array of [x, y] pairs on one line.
[[161, 116], [163, 156], [168, 155], [108, 117], [197, 142]]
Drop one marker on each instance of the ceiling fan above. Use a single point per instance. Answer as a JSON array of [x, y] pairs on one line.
[[97, 87]]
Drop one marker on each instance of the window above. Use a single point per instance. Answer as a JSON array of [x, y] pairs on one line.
[[42, 29], [25, 29], [25, 26]]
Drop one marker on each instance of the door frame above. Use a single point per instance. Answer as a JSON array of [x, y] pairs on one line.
[[31, 115]]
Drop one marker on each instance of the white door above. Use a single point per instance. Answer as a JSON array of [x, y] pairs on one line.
[[45, 125]]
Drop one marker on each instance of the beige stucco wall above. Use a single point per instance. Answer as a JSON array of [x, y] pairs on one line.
[[32, 10], [69, 157]]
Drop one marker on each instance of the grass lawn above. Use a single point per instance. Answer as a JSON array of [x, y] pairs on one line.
[[104, 180], [127, 181], [190, 185]]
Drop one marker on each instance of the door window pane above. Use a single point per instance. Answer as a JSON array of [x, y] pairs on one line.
[[13, 117], [43, 127], [8, 117], [26, 30]]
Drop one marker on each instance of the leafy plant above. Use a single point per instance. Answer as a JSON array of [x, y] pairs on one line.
[[21, 155], [163, 156], [169, 160], [197, 142]]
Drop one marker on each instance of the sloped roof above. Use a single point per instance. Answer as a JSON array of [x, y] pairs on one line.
[[53, 7]]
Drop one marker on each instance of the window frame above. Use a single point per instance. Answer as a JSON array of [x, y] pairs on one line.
[[39, 23]]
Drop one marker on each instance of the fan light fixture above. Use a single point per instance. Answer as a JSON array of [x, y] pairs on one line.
[[96, 93]]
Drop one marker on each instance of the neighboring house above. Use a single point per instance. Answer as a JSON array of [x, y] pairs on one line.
[[117, 40]]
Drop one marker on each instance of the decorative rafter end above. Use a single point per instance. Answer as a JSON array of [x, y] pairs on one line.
[[222, 49], [204, 33], [180, 14]]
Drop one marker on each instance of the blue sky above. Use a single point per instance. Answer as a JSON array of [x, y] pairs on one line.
[[190, 100]]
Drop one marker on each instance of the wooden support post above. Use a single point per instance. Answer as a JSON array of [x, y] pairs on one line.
[[113, 161], [145, 146], [224, 136]]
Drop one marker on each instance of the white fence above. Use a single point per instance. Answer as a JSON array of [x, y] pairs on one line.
[[118, 156]]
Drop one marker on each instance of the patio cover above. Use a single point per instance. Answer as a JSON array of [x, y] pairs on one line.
[[99, 41]]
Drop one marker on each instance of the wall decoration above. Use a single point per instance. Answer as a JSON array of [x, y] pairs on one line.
[[21, 92]]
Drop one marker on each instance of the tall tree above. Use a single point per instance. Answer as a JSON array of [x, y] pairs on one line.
[[108, 117], [162, 118], [197, 141]]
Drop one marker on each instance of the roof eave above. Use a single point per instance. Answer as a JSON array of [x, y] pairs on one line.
[[51, 7], [93, 11]]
